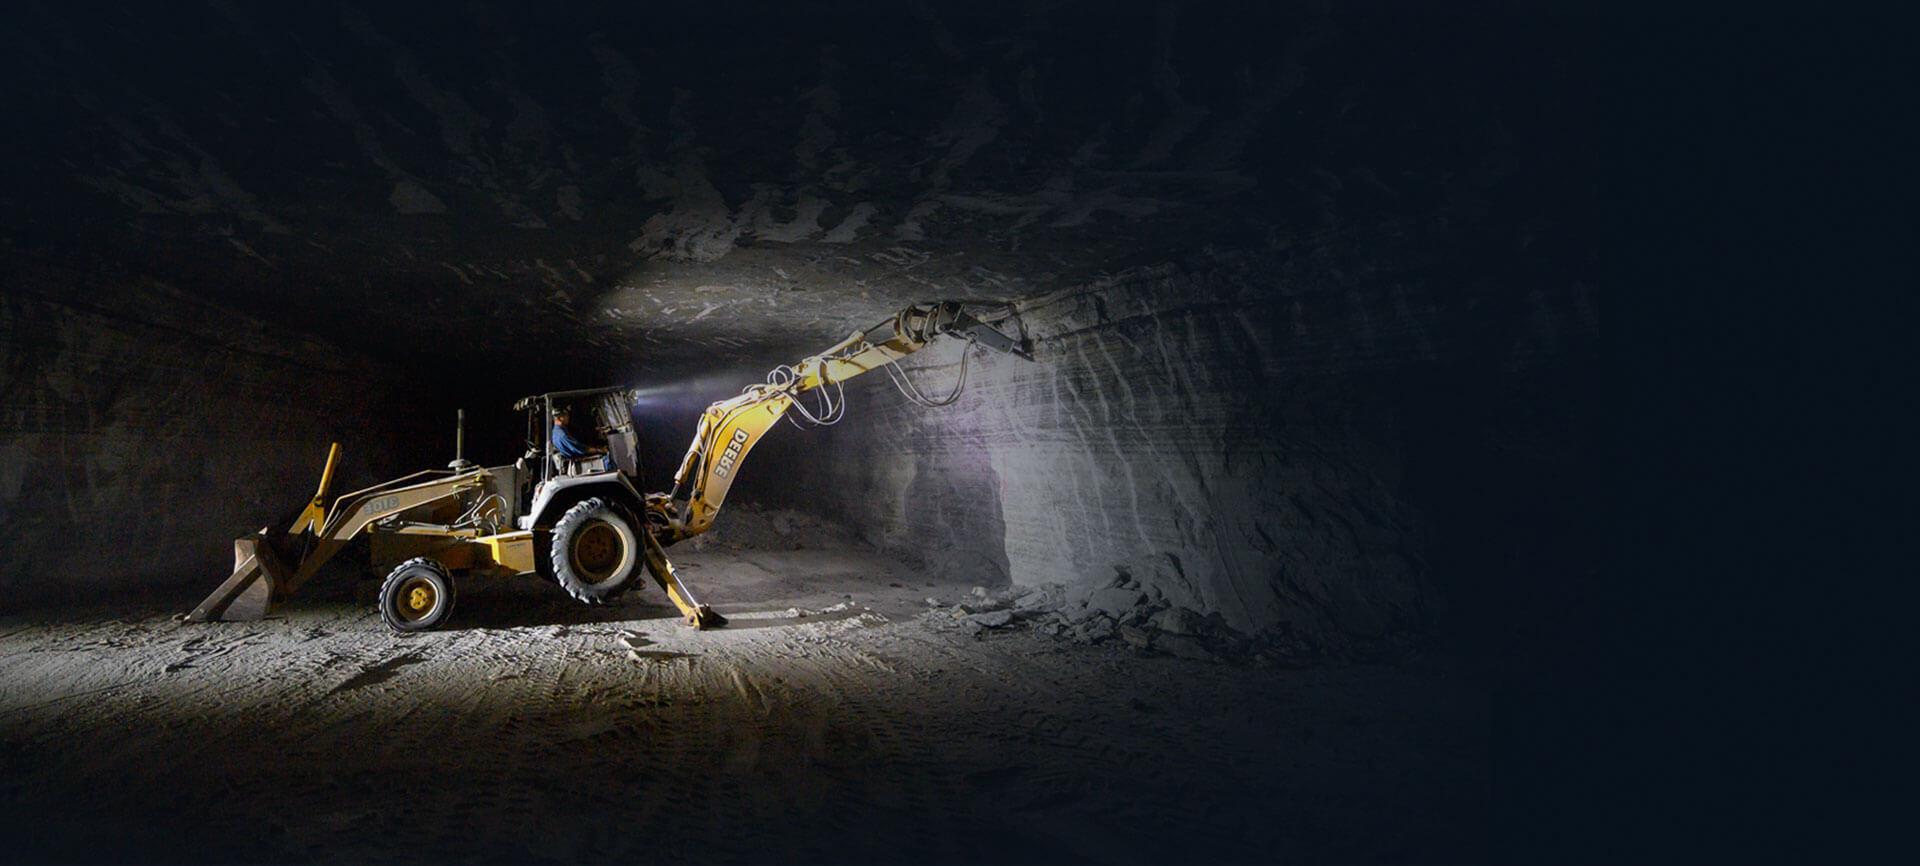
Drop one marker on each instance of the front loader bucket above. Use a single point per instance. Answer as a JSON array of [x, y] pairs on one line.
[[248, 592]]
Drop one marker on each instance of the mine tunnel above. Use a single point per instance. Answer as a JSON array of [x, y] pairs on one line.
[[1204, 572]]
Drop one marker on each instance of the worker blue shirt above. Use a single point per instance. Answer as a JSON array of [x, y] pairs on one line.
[[564, 443]]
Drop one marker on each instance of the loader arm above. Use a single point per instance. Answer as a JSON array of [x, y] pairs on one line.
[[262, 576], [730, 428]]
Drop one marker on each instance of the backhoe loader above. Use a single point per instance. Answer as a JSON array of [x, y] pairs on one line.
[[582, 523]]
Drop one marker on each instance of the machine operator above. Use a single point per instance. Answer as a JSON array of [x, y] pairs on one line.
[[568, 445]]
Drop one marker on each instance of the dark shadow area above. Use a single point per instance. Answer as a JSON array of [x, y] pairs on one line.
[[379, 673], [527, 601], [1511, 473]]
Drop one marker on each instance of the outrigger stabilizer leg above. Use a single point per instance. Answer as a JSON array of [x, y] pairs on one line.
[[698, 615]]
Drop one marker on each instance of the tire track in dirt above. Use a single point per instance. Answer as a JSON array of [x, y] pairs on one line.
[[849, 738], [845, 758], [1040, 787], [381, 790]]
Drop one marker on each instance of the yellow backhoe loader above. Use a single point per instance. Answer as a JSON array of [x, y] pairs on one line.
[[581, 522]]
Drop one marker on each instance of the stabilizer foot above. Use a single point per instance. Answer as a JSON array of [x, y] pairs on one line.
[[705, 618]]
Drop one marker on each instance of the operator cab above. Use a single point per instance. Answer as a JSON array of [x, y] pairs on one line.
[[599, 418], [569, 438]]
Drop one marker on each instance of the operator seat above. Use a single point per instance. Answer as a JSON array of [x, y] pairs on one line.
[[563, 465]]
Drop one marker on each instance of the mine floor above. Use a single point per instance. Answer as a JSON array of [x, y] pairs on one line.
[[838, 719]]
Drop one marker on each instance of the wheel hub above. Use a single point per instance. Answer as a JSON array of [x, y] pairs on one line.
[[597, 551], [417, 598]]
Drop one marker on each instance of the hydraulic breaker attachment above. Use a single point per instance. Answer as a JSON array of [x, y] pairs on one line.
[[698, 615]]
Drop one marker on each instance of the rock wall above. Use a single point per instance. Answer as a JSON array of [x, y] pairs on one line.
[[143, 430], [1191, 440]]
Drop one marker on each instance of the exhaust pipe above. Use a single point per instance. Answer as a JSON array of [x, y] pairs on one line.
[[460, 463]]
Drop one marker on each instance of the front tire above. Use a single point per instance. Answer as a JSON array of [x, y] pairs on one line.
[[596, 551], [416, 596]]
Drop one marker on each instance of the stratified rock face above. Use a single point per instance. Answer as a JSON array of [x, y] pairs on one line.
[[1175, 440], [144, 429]]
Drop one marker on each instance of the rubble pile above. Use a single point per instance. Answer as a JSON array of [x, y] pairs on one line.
[[1142, 621], [747, 526]]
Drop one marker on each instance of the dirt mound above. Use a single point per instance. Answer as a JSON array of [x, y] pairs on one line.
[[748, 526], [1123, 614]]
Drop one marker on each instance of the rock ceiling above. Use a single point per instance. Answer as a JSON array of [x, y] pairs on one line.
[[653, 193]]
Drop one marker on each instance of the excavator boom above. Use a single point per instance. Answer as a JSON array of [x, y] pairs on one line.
[[730, 428]]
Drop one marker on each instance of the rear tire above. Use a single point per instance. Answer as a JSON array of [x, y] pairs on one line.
[[596, 551], [416, 596]]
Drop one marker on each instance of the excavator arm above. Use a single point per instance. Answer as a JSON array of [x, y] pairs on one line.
[[730, 428]]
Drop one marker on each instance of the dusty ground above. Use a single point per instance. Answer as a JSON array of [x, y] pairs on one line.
[[835, 720]]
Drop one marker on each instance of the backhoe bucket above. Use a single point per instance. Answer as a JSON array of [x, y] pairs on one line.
[[248, 592]]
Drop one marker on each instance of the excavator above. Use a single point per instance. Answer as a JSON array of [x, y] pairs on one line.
[[581, 522]]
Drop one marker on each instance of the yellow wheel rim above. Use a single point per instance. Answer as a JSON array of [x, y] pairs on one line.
[[417, 598], [598, 550]]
